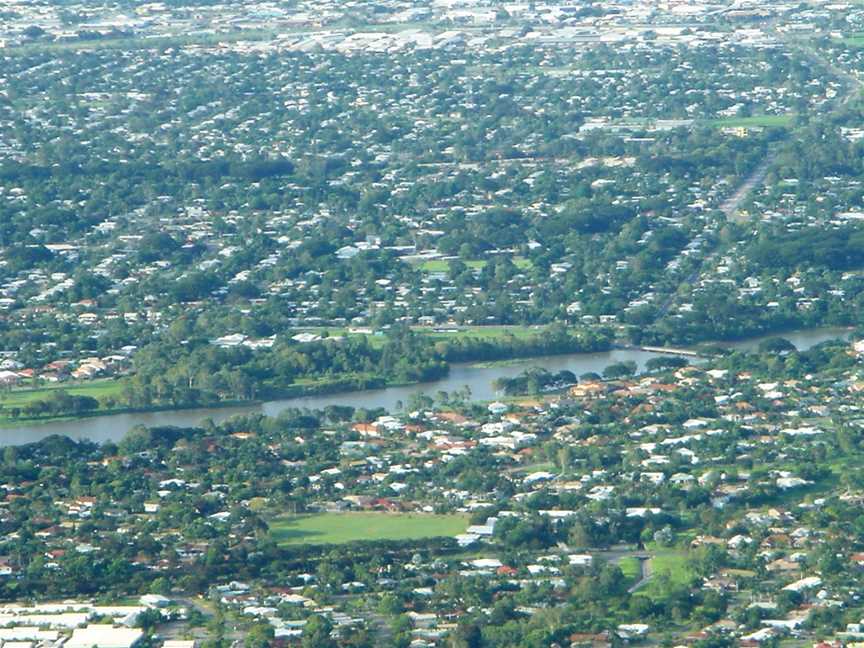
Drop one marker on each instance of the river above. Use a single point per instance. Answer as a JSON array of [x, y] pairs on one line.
[[478, 378], [803, 339]]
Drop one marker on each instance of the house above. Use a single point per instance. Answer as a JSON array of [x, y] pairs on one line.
[[498, 407], [633, 630], [804, 584]]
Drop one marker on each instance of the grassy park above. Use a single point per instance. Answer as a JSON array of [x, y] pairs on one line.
[[631, 568], [21, 397], [341, 528], [440, 265], [673, 564], [766, 121], [484, 332]]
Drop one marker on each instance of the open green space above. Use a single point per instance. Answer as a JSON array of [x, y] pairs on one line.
[[321, 382], [630, 567], [546, 466], [852, 39], [95, 388], [775, 121], [673, 564], [440, 265], [486, 332], [340, 528], [483, 332]]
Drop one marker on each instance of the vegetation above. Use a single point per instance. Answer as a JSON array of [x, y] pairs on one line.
[[769, 121], [535, 381], [342, 528]]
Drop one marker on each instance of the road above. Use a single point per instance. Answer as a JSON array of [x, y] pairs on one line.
[[755, 179], [854, 84], [645, 576], [729, 207], [615, 555]]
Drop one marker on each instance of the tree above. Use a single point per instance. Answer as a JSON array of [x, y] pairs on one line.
[[34, 31], [776, 345], [259, 636], [148, 619], [161, 586], [579, 536], [661, 363], [565, 458], [620, 369], [316, 633], [467, 635], [390, 605]]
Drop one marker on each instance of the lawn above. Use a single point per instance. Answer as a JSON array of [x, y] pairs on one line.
[[546, 466], [672, 563], [340, 528], [629, 566], [522, 263], [440, 265], [326, 381], [95, 388], [776, 121], [486, 332], [852, 39]]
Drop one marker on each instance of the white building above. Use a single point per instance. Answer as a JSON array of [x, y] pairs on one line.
[[104, 636]]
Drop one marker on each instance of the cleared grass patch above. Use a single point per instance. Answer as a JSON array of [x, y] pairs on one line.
[[630, 567], [96, 389], [482, 332], [851, 39], [767, 121], [672, 564], [441, 265], [522, 263], [546, 466], [341, 528], [485, 332]]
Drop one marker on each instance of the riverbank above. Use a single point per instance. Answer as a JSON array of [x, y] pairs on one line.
[[303, 388], [479, 381], [803, 339], [23, 421]]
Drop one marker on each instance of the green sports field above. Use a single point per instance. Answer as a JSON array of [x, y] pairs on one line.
[[20, 397], [340, 528], [439, 265], [775, 121]]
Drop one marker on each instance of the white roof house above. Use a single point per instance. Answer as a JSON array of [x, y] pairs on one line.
[[104, 636]]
